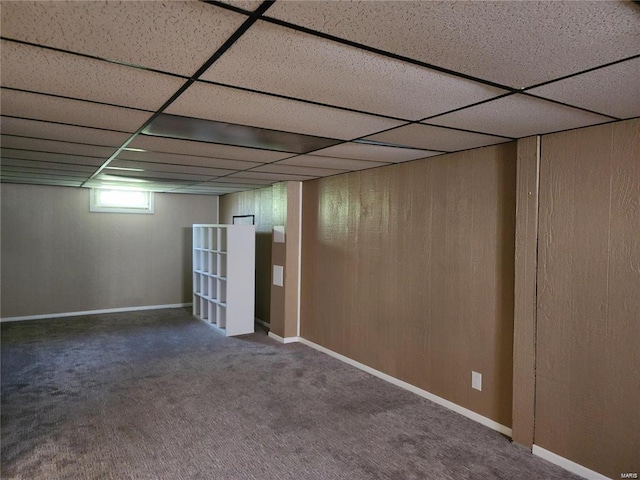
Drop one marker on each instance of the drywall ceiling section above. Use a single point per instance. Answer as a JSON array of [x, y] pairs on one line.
[[228, 96]]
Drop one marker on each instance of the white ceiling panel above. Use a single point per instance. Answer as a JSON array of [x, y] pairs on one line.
[[43, 175], [163, 167], [26, 171], [174, 37], [613, 90], [257, 110], [519, 116], [245, 182], [14, 162], [50, 157], [162, 176], [295, 170], [249, 5], [519, 44], [74, 112], [436, 138], [66, 133], [38, 181], [54, 146], [330, 162], [175, 159], [268, 56], [374, 153], [186, 147], [236, 185], [273, 177], [48, 71]]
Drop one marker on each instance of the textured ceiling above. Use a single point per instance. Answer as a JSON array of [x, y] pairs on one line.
[[223, 96]]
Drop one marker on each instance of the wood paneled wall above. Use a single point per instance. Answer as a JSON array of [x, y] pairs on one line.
[[588, 335], [409, 269], [58, 257]]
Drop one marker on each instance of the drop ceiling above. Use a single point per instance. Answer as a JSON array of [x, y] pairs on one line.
[[218, 97]]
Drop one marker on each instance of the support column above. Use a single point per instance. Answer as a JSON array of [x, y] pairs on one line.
[[526, 263]]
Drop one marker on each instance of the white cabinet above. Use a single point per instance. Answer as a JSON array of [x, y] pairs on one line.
[[224, 276]]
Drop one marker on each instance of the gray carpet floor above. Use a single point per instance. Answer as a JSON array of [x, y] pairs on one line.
[[160, 395]]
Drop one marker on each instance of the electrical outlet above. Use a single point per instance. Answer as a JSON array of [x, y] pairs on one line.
[[476, 380]]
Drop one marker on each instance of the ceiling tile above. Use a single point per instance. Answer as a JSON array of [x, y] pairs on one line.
[[112, 180], [42, 175], [505, 42], [295, 170], [175, 37], [10, 169], [48, 71], [273, 177], [330, 162], [236, 184], [55, 146], [268, 57], [257, 110], [374, 153], [163, 167], [436, 138], [14, 162], [613, 90], [152, 175], [34, 181], [244, 181], [67, 133], [249, 5], [519, 116], [187, 147], [174, 159], [74, 112], [50, 157]]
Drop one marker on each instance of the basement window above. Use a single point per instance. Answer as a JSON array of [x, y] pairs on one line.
[[105, 200]]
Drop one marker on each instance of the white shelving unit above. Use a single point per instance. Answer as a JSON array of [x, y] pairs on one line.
[[224, 276]]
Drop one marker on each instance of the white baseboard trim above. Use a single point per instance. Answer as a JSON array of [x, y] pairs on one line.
[[487, 422], [263, 323], [285, 339], [94, 312], [567, 464]]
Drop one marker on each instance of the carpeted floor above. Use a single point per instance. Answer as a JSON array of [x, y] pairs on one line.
[[160, 395]]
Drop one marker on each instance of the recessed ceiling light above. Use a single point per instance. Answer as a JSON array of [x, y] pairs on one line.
[[134, 149]]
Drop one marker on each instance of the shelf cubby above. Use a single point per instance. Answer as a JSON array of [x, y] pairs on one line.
[[224, 276]]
